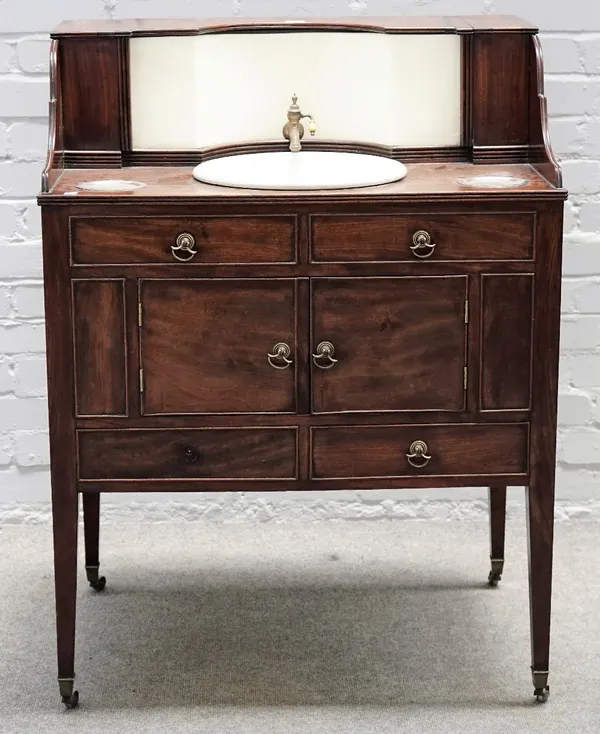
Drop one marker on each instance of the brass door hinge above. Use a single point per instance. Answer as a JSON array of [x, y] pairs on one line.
[[141, 380], [466, 311], [139, 313], [465, 379]]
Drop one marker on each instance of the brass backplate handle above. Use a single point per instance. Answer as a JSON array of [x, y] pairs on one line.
[[281, 352], [422, 246], [417, 454], [325, 350], [183, 249]]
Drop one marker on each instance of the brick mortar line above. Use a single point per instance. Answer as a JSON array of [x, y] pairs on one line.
[[258, 510]]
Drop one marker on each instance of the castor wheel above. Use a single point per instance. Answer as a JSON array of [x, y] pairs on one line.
[[496, 572], [99, 585], [72, 701], [541, 689], [96, 582], [493, 579]]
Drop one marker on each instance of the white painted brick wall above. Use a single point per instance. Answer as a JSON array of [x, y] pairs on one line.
[[571, 40]]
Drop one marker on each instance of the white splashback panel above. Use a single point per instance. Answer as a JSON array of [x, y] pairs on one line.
[[196, 91]]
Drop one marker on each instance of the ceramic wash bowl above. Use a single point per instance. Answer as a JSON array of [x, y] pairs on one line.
[[307, 170]]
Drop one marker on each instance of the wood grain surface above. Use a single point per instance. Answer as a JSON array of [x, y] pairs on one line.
[[218, 240], [400, 343], [390, 238], [234, 453], [454, 450], [100, 350], [204, 346]]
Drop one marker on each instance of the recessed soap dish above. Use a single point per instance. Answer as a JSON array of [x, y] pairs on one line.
[[495, 181], [109, 185]]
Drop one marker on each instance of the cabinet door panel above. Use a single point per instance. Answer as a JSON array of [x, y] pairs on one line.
[[204, 345], [400, 344], [507, 303], [100, 355]]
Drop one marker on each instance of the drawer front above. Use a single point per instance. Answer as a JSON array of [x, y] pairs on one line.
[[212, 453], [431, 450], [210, 240], [385, 238]]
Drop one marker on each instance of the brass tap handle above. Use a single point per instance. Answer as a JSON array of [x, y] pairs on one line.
[[184, 244], [281, 352], [417, 455], [422, 246], [325, 350], [294, 125]]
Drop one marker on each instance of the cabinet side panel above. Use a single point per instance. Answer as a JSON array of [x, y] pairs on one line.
[[501, 89], [506, 306], [91, 83], [100, 353]]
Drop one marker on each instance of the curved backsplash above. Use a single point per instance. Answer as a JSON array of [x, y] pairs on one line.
[[393, 89]]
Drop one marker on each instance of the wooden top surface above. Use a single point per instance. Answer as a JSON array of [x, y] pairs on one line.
[[183, 26], [425, 181]]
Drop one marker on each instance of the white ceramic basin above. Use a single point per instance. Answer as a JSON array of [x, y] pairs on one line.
[[304, 170]]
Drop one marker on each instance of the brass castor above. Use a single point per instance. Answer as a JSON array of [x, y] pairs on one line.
[[72, 701], [96, 582], [493, 579], [540, 685], [496, 572], [69, 697]]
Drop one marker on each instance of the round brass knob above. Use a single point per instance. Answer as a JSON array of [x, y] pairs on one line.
[[325, 350], [281, 352], [417, 454], [422, 246], [183, 249]]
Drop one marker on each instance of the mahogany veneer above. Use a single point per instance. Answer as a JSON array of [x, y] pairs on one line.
[[382, 451], [298, 340]]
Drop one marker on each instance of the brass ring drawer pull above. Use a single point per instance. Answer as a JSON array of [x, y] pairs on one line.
[[417, 455], [325, 350], [183, 249], [422, 246], [281, 352]]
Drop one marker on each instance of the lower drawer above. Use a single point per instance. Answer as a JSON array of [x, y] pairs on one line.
[[212, 453], [434, 450]]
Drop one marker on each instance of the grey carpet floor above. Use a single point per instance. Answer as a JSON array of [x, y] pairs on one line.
[[327, 627]]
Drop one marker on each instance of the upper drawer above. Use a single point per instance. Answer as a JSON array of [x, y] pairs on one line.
[[386, 238], [210, 240]]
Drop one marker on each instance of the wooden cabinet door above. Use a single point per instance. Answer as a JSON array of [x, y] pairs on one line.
[[205, 343], [400, 344]]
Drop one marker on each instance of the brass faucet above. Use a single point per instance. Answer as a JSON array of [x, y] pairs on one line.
[[293, 130]]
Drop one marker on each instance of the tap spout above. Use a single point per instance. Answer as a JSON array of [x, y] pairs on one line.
[[293, 130]]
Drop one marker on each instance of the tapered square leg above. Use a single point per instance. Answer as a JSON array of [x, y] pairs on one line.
[[497, 503], [65, 519], [540, 521], [91, 530]]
